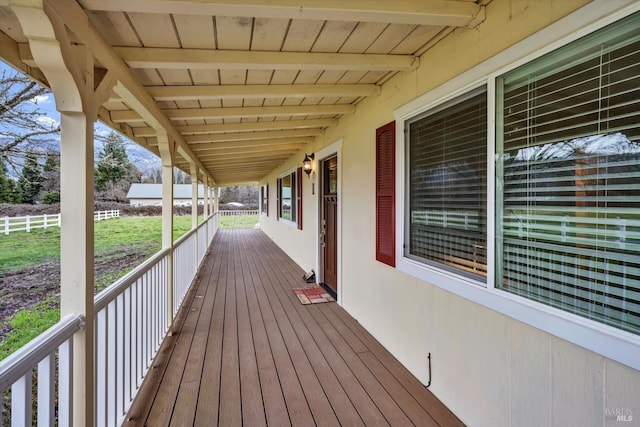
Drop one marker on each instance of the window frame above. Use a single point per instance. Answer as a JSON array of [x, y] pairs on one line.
[[294, 197], [436, 109], [264, 199], [600, 338]]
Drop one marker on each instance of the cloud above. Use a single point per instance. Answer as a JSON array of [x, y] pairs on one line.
[[40, 99], [47, 121]]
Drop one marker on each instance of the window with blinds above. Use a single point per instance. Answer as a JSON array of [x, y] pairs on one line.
[[288, 197], [447, 176], [568, 177]]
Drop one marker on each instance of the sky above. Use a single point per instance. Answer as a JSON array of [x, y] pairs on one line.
[[139, 156]]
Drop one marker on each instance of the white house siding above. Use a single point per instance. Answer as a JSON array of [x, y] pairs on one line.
[[490, 369]]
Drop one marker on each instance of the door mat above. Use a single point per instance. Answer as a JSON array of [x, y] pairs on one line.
[[313, 295]]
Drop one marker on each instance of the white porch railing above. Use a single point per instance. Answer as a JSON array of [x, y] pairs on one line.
[[237, 218], [130, 325], [238, 212], [49, 360], [33, 222]]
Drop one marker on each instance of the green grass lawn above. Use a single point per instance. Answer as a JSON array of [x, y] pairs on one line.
[[237, 221], [22, 250], [141, 235]]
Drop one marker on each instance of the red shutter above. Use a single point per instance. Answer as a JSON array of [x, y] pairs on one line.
[[278, 191], [385, 194], [299, 196], [267, 197]]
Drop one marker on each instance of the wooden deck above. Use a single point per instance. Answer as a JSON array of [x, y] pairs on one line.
[[246, 352]]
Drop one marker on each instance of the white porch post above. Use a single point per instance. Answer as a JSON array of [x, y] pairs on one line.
[[167, 153], [70, 73], [194, 197], [205, 201], [77, 252], [215, 198], [194, 211]]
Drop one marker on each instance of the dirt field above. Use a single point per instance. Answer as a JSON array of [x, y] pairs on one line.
[[29, 287]]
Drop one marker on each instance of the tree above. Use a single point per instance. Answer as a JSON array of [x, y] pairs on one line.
[[30, 181], [180, 177], [51, 185], [113, 162], [24, 128], [7, 185], [114, 171]]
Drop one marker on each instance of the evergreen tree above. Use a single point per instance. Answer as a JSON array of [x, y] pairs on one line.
[[51, 171], [51, 185], [113, 163], [30, 181], [7, 185]]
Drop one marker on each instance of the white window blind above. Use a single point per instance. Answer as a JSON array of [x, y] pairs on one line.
[[447, 174], [568, 177]]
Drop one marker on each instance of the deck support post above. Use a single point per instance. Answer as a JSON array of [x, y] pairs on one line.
[[79, 89], [215, 198], [194, 209], [205, 201], [167, 155], [205, 207]]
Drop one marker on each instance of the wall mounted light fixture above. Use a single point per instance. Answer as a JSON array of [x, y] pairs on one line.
[[307, 163]]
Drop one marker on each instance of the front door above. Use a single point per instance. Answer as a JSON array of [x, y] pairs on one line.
[[329, 224]]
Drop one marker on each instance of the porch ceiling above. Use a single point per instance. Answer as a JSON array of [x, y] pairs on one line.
[[242, 85]]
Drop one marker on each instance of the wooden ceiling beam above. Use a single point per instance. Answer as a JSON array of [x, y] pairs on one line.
[[216, 146], [207, 59], [241, 127], [237, 112], [247, 150], [411, 12], [244, 136], [243, 164], [198, 148], [214, 92]]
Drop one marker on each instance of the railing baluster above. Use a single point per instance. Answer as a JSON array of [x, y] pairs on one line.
[[101, 366], [46, 390], [111, 363], [65, 383], [119, 356], [128, 332], [21, 401]]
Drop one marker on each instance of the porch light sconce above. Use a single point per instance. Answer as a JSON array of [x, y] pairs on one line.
[[307, 163]]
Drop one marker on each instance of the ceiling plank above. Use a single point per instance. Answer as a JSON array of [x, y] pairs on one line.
[[242, 127], [183, 93], [414, 12], [237, 112], [193, 59]]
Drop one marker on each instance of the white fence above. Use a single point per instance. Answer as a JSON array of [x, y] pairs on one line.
[[131, 322], [33, 222], [235, 218], [100, 215]]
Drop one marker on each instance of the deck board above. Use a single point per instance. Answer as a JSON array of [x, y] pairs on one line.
[[246, 352]]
